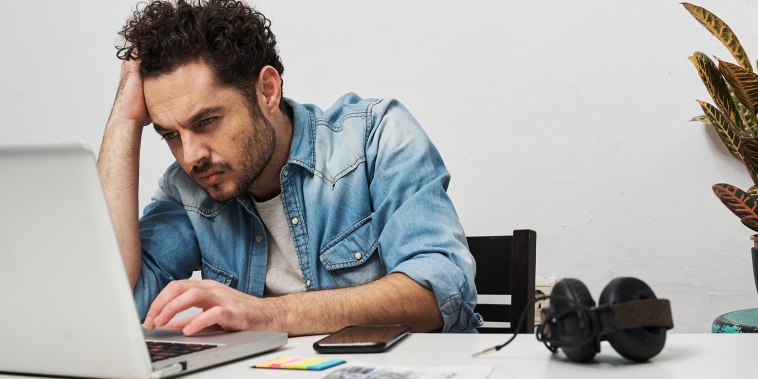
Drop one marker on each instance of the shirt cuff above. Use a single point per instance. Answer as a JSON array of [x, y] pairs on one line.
[[455, 298]]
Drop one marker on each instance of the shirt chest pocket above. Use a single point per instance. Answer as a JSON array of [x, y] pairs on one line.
[[209, 271], [353, 258]]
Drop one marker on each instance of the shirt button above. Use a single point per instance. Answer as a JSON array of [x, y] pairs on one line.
[[285, 173], [308, 283], [358, 256], [258, 239], [295, 221]]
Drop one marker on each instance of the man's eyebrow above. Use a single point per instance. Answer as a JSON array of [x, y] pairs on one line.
[[193, 120], [159, 129], [201, 114]]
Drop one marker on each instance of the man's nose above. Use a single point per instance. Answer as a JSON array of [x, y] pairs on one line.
[[194, 149]]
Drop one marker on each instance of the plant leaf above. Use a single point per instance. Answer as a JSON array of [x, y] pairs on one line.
[[748, 148], [728, 135], [750, 222], [722, 31], [748, 117], [738, 201], [750, 127], [701, 118], [717, 88], [744, 83], [753, 191]]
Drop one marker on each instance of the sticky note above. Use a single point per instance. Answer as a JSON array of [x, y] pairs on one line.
[[300, 363]]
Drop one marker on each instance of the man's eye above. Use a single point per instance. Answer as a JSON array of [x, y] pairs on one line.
[[169, 136], [207, 121]]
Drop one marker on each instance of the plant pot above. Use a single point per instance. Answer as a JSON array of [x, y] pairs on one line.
[[754, 253], [745, 320]]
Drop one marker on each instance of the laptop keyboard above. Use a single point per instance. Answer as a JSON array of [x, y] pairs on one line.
[[165, 350]]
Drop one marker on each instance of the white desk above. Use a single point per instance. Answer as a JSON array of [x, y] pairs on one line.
[[685, 356]]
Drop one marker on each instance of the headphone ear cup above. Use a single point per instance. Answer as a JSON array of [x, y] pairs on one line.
[[569, 293], [637, 344]]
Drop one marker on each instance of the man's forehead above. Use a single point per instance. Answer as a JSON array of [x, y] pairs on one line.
[[190, 86], [176, 85]]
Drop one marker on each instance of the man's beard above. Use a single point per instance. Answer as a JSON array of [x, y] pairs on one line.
[[255, 152]]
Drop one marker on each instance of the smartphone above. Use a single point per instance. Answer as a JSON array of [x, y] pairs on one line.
[[362, 339]]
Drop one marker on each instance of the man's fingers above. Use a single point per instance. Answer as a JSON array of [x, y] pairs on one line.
[[193, 296], [211, 317], [180, 295], [169, 293], [129, 70], [180, 324], [130, 65]]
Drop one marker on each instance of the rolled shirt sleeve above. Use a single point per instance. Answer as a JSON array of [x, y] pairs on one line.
[[422, 235]]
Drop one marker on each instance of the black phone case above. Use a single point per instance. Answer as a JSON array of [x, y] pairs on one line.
[[362, 346]]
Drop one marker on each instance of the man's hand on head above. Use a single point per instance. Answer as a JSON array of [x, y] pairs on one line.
[[129, 105], [223, 306]]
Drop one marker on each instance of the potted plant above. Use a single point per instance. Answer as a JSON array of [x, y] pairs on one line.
[[734, 90]]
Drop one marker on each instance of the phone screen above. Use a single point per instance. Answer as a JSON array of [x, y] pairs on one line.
[[361, 339]]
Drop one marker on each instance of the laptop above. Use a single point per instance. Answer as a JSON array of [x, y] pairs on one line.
[[67, 307]]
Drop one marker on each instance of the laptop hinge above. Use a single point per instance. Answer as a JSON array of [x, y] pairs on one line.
[[170, 370]]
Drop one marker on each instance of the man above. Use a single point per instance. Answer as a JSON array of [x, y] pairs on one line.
[[300, 220]]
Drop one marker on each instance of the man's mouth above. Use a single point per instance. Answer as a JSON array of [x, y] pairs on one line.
[[210, 178]]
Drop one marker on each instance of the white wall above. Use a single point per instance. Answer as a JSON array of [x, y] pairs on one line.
[[570, 118]]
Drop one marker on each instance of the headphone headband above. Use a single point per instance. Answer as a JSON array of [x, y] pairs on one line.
[[606, 319], [643, 313]]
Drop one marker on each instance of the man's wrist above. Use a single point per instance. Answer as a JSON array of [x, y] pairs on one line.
[[124, 124], [281, 315]]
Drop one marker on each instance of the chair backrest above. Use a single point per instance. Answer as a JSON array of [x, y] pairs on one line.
[[504, 280]]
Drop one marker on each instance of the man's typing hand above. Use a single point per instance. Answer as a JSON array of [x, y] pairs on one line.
[[223, 306]]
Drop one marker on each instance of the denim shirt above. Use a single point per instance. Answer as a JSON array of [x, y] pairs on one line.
[[364, 190]]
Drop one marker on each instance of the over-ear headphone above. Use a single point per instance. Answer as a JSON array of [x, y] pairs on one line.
[[628, 315]]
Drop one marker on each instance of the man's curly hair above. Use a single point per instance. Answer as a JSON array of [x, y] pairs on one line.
[[233, 38]]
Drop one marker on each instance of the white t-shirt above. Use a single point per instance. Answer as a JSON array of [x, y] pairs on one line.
[[283, 274]]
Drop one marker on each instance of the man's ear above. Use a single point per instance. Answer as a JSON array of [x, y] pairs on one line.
[[269, 90]]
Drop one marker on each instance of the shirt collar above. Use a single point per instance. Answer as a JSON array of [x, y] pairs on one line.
[[302, 148]]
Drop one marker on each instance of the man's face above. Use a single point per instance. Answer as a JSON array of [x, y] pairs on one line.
[[209, 129]]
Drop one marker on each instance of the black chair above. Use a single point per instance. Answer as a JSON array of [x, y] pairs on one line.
[[505, 280]]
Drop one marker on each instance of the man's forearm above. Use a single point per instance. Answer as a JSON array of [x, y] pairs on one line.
[[394, 299], [118, 164]]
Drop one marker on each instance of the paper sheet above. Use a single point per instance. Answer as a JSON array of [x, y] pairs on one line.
[[358, 371]]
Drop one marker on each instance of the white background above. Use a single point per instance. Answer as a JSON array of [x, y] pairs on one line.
[[569, 118]]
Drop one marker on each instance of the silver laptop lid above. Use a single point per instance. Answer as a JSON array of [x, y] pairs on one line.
[[67, 305], [63, 286]]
